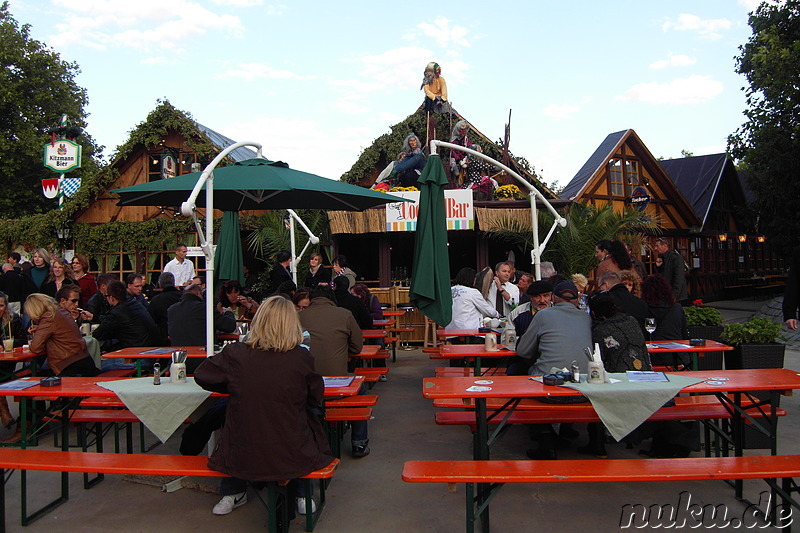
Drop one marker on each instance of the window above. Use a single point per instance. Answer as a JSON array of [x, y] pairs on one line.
[[631, 175], [623, 177], [615, 180]]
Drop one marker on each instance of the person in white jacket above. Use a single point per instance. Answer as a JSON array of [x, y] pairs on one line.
[[469, 305]]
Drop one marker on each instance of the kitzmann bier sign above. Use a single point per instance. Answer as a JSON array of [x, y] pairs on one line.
[[62, 155]]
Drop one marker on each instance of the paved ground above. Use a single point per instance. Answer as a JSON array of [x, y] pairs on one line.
[[368, 495]]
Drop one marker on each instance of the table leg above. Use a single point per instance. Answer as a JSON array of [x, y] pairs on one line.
[[477, 366]]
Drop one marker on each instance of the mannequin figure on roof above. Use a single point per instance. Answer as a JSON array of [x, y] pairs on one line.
[[435, 89], [457, 158]]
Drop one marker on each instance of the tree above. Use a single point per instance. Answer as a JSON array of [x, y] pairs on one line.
[[768, 144], [572, 249], [36, 89]]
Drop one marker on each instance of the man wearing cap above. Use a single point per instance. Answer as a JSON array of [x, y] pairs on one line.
[[540, 294], [503, 295], [557, 335]]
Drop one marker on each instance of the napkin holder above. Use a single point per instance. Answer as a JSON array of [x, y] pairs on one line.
[[52, 381], [490, 343]]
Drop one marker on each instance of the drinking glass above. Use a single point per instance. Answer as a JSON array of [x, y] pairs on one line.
[[650, 326]]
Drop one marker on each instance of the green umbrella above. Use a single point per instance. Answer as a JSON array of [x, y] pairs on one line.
[[228, 261], [257, 184], [430, 286]]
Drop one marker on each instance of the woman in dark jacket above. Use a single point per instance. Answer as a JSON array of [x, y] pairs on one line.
[[270, 431], [317, 274], [669, 315], [60, 275], [37, 275]]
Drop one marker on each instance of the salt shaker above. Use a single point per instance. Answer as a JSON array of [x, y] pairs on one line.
[[156, 374]]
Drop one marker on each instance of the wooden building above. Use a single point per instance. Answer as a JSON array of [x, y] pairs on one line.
[[698, 201]]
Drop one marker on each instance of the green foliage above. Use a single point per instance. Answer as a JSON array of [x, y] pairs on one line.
[[769, 142], [36, 88], [701, 315], [757, 330], [269, 235], [571, 249], [163, 119], [153, 234]]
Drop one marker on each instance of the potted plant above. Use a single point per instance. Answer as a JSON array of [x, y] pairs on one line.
[[508, 192], [755, 346], [705, 323]]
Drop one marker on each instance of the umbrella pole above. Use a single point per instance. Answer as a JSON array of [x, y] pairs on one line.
[[210, 266], [292, 243]]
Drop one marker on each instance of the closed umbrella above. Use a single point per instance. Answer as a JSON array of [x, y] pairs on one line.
[[430, 285], [228, 259]]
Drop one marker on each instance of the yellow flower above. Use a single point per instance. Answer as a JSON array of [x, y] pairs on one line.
[[508, 191]]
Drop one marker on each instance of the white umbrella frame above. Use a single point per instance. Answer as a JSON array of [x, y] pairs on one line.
[[538, 249]]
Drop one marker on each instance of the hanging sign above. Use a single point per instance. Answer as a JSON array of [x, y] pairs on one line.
[[168, 166], [70, 186], [62, 155], [402, 216], [640, 198]]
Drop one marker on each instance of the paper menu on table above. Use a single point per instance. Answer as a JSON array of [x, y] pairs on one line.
[[338, 381]]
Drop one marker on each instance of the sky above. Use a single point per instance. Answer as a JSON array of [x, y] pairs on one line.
[[316, 82]]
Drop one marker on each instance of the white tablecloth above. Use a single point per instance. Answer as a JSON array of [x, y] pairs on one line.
[[162, 408]]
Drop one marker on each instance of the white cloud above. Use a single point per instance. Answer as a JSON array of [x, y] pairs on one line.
[[560, 111], [681, 91], [253, 71], [673, 61], [707, 28], [444, 34], [292, 140], [151, 25], [239, 3]]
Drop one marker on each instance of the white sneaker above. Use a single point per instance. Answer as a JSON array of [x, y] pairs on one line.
[[301, 506], [229, 503]]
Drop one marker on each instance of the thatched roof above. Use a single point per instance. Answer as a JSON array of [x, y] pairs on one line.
[[386, 147]]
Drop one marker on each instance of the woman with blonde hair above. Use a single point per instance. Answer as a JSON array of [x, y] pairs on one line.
[[37, 275], [60, 274], [56, 334], [270, 434]]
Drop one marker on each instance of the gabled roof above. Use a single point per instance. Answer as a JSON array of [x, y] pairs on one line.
[[698, 179], [240, 154], [595, 162]]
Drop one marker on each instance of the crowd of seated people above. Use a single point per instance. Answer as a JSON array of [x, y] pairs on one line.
[[558, 317]]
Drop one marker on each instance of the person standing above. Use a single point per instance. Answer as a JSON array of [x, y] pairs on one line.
[[168, 296], [503, 294], [37, 275], [335, 336], [180, 267], [341, 268], [317, 274], [85, 279], [673, 269], [791, 295], [280, 272], [12, 283]]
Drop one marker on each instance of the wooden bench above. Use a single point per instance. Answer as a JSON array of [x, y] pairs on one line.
[[143, 464], [360, 400], [490, 476], [337, 420]]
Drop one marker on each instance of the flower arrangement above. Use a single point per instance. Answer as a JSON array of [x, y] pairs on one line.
[[508, 192], [403, 189], [700, 315]]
